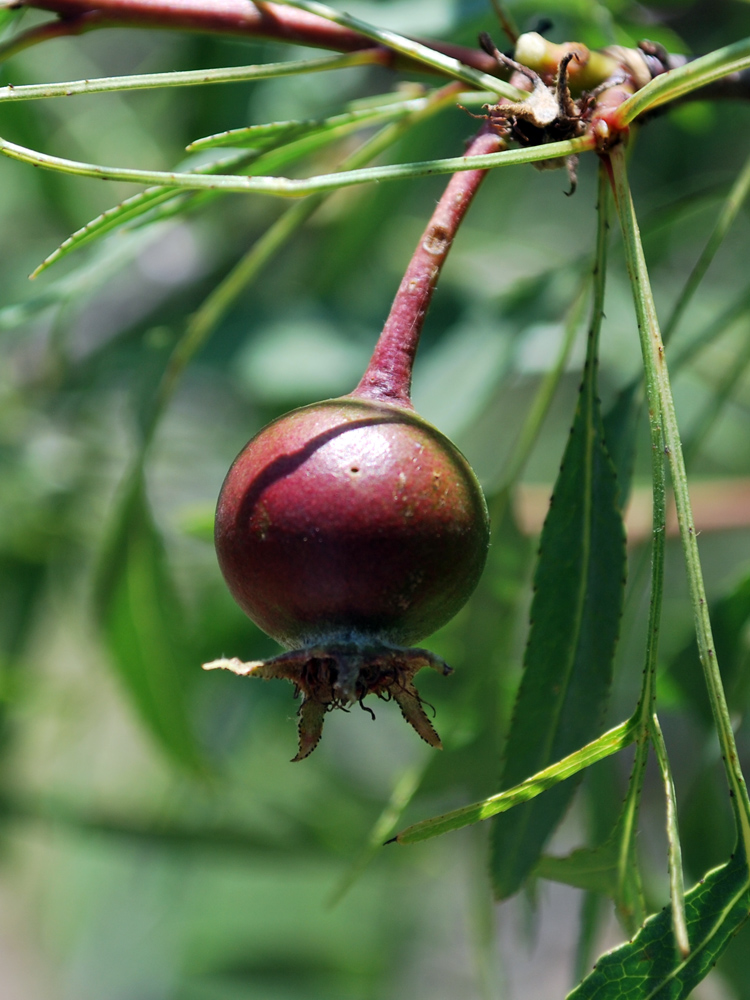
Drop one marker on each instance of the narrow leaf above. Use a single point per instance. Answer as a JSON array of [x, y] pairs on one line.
[[683, 80], [260, 136], [661, 401], [291, 187], [611, 742], [734, 202], [676, 885], [130, 210], [650, 968], [575, 617], [144, 626]]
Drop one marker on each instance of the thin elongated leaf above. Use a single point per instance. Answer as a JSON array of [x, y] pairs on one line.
[[280, 144], [575, 615], [184, 78], [650, 968], [676, 884], [144, 626], [256, 136], [610, 742], [732, 205], [260, 136], [131, 210], [661, 407], [290, 187]]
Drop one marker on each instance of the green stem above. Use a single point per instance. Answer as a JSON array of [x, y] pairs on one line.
[[188, 78], [414, 50], [287, 187], [660, 401]]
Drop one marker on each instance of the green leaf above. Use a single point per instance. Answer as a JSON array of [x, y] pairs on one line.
[[593, 869], [132, 210], [277, 133], [610, 742], [650, 968], [277, 145], [184, 78], [676, 884], [144, 626], [575, 616], [603, 869], [681, 81]]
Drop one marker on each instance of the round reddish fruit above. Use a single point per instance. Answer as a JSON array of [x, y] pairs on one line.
[[351, 519]]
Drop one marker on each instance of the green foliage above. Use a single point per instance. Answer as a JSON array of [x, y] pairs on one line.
[[148, 813], [650, 966], [145, 626], [575, 619]]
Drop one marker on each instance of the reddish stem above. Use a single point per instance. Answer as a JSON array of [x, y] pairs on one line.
[[240, 17], [388, 376]]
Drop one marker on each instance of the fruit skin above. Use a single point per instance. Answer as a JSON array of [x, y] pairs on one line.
[[351, 519]]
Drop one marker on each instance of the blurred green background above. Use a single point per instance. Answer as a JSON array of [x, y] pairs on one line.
[[155, 841]]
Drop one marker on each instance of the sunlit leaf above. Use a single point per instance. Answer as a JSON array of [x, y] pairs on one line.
[[551, 777], [649, 967]]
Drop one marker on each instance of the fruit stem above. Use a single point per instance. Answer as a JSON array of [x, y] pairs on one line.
[[388, 375]]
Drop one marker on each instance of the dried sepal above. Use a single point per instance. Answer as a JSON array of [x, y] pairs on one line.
[[338, 675]]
